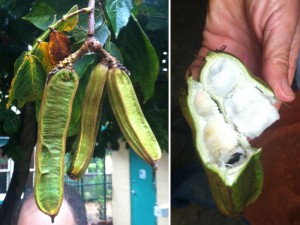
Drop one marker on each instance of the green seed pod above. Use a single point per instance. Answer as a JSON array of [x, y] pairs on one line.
[[54, 117], [226, 108], [130, 117], [84, 145]]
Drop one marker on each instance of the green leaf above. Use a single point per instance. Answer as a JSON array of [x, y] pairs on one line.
[[11, 123], [45, 12], [37, 109], [82, 64], [6, 4], [153, 15], [42, 15], [102, 34], [29, 81], [101, 29], [77, 45], [140, 57], [70, 23], [119, 13], [42, 53], [19, 62], [114, 51]]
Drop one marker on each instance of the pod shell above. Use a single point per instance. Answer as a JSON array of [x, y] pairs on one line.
[[130, 117], [231, 197], [54, 117], [84, 145]]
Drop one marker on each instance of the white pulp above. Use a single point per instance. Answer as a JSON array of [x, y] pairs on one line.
[[247, 112], [243, 104], [250, 111], [221, 85], [220, 138]]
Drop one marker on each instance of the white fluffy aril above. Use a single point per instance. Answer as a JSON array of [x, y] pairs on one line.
[[234, 105]]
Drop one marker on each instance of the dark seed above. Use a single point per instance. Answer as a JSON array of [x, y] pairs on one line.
[[234, 158]]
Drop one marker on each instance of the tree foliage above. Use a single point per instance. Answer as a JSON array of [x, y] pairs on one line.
[[135, 32]]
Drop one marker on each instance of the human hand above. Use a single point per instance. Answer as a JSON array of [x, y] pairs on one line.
[[265, 35]]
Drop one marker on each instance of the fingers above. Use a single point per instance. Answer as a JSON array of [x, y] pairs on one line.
[[280, 44], [272, 54], [196, 66]]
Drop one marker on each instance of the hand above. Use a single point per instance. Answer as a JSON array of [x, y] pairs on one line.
[[265, 35]]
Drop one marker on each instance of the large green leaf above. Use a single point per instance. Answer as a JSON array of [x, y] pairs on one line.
[[29, 80], [42, 15], [140, 57], [45, 12], [118, 12]]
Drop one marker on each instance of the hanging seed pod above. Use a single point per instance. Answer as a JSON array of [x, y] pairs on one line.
[[84, 145], [54, 117]]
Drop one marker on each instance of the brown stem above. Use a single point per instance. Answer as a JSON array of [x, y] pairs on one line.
[[91, 20], [91, 45]]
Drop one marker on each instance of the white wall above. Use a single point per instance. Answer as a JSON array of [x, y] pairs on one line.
[[163, 187], [121, 186]]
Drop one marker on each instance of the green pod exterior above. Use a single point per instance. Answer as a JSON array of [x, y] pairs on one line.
[[54, 117], [130, 117], [84, 145], [131, 137], [233, 199]]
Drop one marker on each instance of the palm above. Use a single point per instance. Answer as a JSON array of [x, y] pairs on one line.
[[257, 33]]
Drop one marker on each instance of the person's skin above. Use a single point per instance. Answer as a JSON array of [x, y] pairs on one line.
[[31, 215], [264, 34]]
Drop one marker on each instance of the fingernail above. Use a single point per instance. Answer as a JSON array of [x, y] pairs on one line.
[[287, 88]]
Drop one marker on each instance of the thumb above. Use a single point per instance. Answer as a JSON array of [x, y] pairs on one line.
[[275, 72], [278, 67]]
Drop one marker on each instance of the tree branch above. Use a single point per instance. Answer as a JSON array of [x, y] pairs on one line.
[[91, 45], [65, 17], [91, 20]]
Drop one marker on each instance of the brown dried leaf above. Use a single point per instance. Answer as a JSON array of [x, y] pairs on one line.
[[59, 46]]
